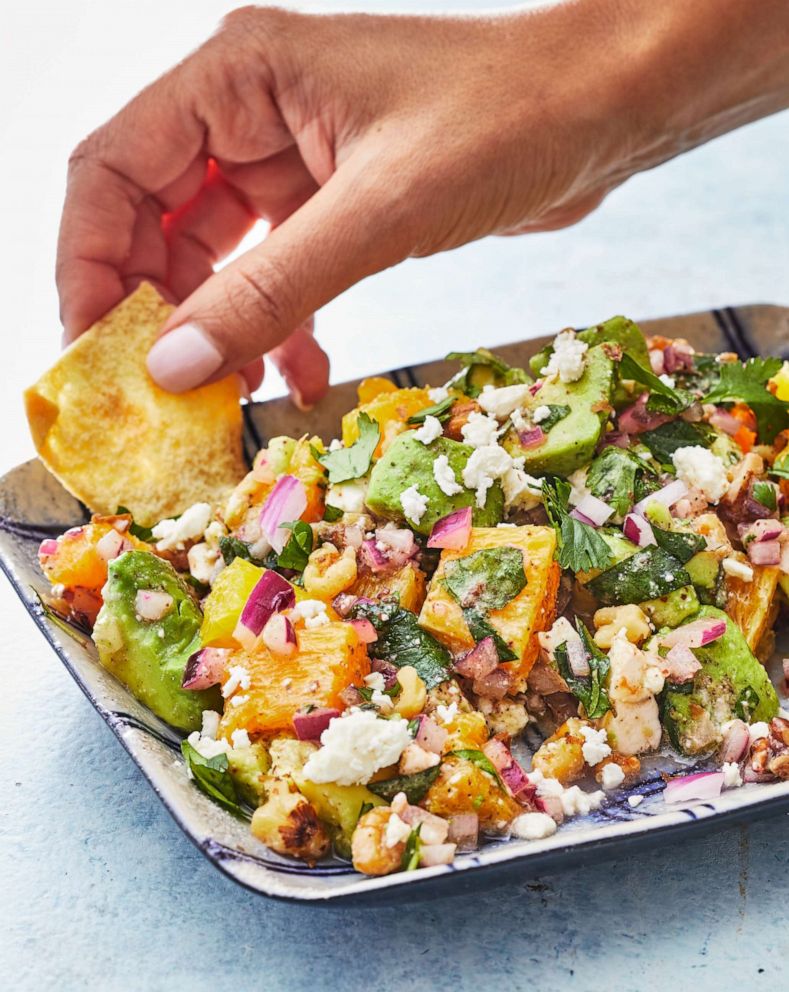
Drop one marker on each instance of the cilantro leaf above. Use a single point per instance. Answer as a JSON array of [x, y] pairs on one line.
[[671, 400], [142, 533], [212, 776], [413, 849], [589, 689], [580, 547], [764, 493], [746, 382], [353, 462], [440, 410], [296, 552], [668, 438], [414, 786]]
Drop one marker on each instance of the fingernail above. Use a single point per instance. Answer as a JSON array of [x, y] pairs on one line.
[[183, 359]]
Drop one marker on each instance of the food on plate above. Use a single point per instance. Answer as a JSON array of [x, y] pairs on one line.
[[113, 437], [475, 616]]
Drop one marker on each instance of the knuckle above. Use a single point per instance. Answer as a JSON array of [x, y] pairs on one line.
[[261, 297]]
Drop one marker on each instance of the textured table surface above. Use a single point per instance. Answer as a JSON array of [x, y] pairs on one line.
[[98, 887]]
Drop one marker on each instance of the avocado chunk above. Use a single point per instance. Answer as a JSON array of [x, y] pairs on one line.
[[616, 330], [673, 609], [339, 807], [408, 462], [149, 663], [571, 442], [731, 683], [247, 766]]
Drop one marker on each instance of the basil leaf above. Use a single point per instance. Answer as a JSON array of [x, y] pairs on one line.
[[142, 533], [414, 786], [402, 641], [296, 552], [648, 574], [481, 760], [413, 849], [231, 547], [212, 776], [589, 689], [487, 579], [440, 410], [480, 628], [682, 546], [332, 513], [353, 462], [668, 438], [558, 412], [746, 382], [764, 493]]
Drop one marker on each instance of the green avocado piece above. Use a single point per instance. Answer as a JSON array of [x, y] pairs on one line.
[[408, 462], [730, 675], [616, 330], [704, 570], [151, 665], [247, 766], [673, 609], [572, 441]]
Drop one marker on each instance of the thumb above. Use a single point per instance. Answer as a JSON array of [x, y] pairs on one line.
[[252, 305]]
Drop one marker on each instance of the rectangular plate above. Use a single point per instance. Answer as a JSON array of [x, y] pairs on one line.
[[33, 506]]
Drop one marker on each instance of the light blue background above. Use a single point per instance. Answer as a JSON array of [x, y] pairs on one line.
[[99, 889]]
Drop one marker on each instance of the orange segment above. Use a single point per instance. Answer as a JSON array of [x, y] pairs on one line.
[[391, 410]]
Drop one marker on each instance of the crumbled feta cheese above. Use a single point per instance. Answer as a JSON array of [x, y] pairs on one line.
[[519, 422], [202, 560], [214, 532], [311, 611], [375, 680], [635, 800], [429, 431], [446, 714], [445, 477], [172, 535], [731, 775], [382, 701], [699, 469], [335, 444], [238, 700], [355, 746], [238, 678], [576, 802], [414, 504], [568, 359], [668, 381], [397, 831], [758, 730], [533, 826], [480, 430], [504, 524], [319, 621], [438, 394], [501, 402], [520, 489], [207, 746], [578, 487], [484, 467], [240, 738], [210, 726], [347, 496], [612, 776], [739, 569], [595, 747], [540, 414]]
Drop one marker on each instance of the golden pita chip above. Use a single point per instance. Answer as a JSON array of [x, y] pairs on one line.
[[114, 438]]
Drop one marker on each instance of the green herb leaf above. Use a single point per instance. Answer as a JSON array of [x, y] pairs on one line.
[[402, 641], [332, 513], [141, 533], [671, 401], [231, 547], [296, 552], [589, 689], [482, 367], [746, 704], [612, 478], [366, 691], [439, 410], [558, 412], [580, 548], [353, 462], [479, 357], [666, 439], [648, 574], [480, 627], [746, 382], [481, 760], [213, 777], [414, 786], [364, 808], [487, 579], [682, 545], [413, 849], [764, 493]]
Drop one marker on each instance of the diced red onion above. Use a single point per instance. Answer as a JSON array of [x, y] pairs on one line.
[[480, 661], [464, 831], [552, 805], [431, 855], [286, 502], [350, 696], [702, 785], [310, 726], [614, 439], [657, 361], [279, 635], [677, 357], [695, 634], [736, 741], [111, 545], [47, 548], [205, 668], [271, 595], [636, 418], [667, 496], [510, 772], [493, 686], [750, 774], [764, 552], [430, 735], [152, 604], [638, 530], [434, 828], [452, 531], [680, 664], [535, 387], [387, 669], [344, 603], [577, 657], [693, 414], [373, 557], [365, 631], [577, 515], [595, 509], [724, 421], [398, 539], [532, 438], [762, 530], [353, 537]]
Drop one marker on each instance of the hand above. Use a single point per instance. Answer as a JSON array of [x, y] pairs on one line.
[[364, 140]]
